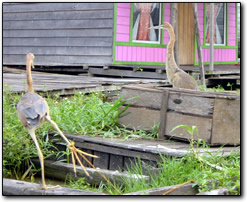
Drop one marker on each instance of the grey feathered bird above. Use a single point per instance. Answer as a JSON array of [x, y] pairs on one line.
[[176, 76], [32, 111]]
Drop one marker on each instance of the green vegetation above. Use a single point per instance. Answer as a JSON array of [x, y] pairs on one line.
[[79, 114], [90, 115], [177, 171], [190, 167], [220, 89], [209, 173]]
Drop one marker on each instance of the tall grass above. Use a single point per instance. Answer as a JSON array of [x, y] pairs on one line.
[[174, 171], [80, 114]]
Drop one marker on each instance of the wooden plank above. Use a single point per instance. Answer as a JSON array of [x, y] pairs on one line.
[[129, 163], [140, 118], [163, 113], [187, 189], [174, 119], [59, 170], [58, 42], [223, 191], [59, 15], [211, 41], [116, 162], [198, 41], [226, 122], [58, 24], [93, 32], [201, 93], [58, 60], [102, 161], [15, 187], [90, 159], [126, 73], [32, 7], [151, 150], [174, 23], [66, 50], [145, 149], [189, 104], [146, 97], [185, 34], [117, 151]]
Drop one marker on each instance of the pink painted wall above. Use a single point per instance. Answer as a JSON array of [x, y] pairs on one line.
[[135, 53], [200, 8], [231, 24], [153, 54], [167, 18], [220, 55], [143, 54], [123, 22]]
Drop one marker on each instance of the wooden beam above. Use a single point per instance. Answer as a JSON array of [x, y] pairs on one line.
[[174, 16], [59, 170], [211, 25], [188, 189], [198, 40], [16, 187]]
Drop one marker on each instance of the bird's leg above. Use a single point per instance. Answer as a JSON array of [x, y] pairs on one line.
[[74, 151], [41, 159]]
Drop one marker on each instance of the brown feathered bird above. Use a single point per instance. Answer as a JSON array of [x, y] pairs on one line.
[[32, 111], [176, 76]]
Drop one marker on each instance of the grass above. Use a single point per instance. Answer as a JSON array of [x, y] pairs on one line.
[[177, 171], [220, 89], [90, 115], [180, 170], [204, 171], [79, 114]]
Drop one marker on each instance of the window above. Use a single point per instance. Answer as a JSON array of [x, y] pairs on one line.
[[219, 23], [146, 15]]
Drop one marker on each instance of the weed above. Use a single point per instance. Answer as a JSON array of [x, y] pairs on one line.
[[230, 85], [190, 167], [87, 115]]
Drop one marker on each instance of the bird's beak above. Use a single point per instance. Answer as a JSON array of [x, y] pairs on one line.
[[155, 27]]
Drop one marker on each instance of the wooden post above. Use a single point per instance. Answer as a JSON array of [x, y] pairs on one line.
[[199, 49], [174, 24], [211, 25]]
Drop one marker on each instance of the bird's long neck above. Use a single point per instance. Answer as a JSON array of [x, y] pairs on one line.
[[171, 65], [29, 76]]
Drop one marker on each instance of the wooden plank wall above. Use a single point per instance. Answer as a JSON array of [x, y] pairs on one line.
[[186, 35], [58, 33]]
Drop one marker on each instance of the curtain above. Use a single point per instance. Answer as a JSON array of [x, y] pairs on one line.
[[217, 35], [144, 21]]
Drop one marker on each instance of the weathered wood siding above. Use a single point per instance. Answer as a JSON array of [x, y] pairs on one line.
[[58, 33]]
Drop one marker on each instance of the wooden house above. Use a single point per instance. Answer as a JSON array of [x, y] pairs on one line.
[[109, 38]]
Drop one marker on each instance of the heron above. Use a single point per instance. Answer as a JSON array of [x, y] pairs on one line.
[[176, 76], [33, 111]]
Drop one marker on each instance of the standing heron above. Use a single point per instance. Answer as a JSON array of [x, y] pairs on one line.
[[32, 111], [176, 76]]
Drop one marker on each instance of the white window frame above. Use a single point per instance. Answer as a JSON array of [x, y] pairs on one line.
[[221, 44]]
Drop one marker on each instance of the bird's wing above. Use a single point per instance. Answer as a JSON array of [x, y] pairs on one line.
[[31, 109], [183, 80]]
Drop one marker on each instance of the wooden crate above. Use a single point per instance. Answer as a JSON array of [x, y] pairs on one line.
[[216, 115], [144, 111]]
